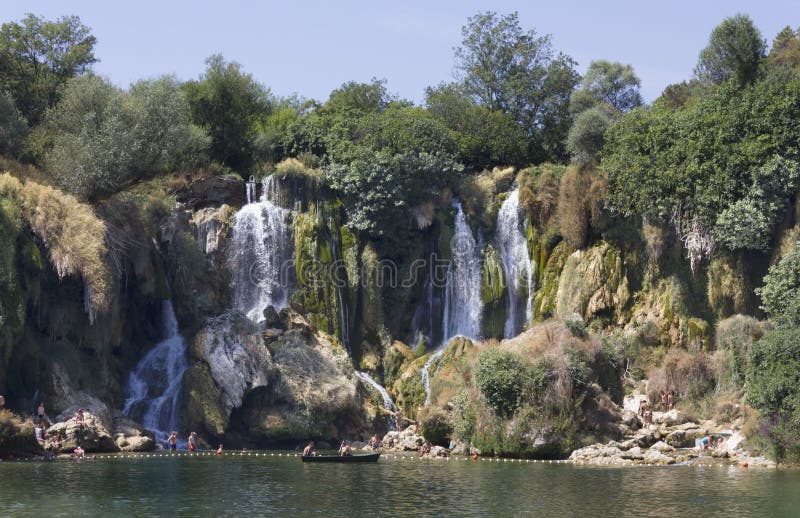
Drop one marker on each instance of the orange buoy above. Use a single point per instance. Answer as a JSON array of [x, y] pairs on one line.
[[744, 464], [475, 457]]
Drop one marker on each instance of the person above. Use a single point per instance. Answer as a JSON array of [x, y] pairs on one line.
[[79, 417], [345, 450], [426, 449], [309, 449], [80, 454], [398, 419], [648, 416], [373, 443], [705, 442], [191, 442], [40, 411], [173, 441], [219, 450], [642, 407], [663, 401], [671, 400], [2, 401]]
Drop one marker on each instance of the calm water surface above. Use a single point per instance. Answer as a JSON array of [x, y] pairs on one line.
[[258, 486]]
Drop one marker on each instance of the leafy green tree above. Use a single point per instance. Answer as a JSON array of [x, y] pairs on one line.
[[380, 188], [37, 57], [104, 139], [734, 51], [786, 48], [780, 295], [505, 68], [607, 82], [229, 104], [499, 378], [586, 137], [772, 387], [13, 127], [363, 97], [485, 138]]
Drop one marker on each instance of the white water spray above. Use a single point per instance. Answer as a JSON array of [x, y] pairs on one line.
[[261, 252], [388, 403], [516, 263], [153, 386]]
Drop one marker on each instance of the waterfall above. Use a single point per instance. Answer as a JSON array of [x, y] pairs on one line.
[[339, 280], [388, 403], [462, 298], [462, 293], [261, 251], [153, 386], [516, 262]]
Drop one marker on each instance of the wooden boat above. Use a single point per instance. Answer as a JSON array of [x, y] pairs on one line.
[[366, 457]]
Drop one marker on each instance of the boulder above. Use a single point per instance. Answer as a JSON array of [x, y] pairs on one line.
[[662, 447], [438, 452], [17, 437], [658, 458], [92, 436], [130, 436], [670, 418], [679, 439], [272, 318]]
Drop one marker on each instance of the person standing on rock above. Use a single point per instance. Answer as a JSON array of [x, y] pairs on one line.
[[43, 419], [173, 441], [671, 400], [663, 401]]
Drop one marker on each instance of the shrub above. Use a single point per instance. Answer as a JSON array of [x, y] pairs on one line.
[[575, 324], [733, 340], [463, 417], [688, 374], [779, 294], [436, 428], [498, 377]]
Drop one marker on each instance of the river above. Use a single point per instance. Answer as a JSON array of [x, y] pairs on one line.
[[234, 485]]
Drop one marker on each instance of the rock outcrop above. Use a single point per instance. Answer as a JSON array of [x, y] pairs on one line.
[[91, 435]]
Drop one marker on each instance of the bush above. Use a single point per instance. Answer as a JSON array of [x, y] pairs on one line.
[[498, 377], [436, 428], [733, 340], [688, 374], [779, 294], [463, 417], [13, 127]]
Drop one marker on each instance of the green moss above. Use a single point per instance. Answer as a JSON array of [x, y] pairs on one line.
[[493, 283], [698, 332], [544, 304]]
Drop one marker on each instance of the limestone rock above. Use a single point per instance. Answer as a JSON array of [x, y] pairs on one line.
[[662, 447], [130, 436], [92, 436], [658, 458]]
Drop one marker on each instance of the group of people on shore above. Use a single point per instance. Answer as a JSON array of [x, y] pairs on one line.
[[667, 401]]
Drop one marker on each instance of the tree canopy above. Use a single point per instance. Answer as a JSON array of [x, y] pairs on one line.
[[734, 51]]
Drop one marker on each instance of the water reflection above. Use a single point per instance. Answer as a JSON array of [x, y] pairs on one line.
[[257, 486]]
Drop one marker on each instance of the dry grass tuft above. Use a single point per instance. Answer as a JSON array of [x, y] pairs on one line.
[[73, 234]]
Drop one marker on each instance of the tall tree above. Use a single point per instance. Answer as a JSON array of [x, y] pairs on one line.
[[608, 82], [38, 56], [517, 72], [734, 50], [229, 104]]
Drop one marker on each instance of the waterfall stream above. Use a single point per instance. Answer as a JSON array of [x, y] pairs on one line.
[[516, 263], [153, 386], [261, 251], [462, 293], [388, 403]]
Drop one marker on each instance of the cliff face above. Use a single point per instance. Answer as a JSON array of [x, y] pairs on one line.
[[355, 301]]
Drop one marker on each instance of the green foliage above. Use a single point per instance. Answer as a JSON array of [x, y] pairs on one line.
[[734, 51], [786, 48], [586, 137], [105, 139], [608, 83], [733, 340], [780, 294], [693, 164], [363, 97], [498, 377], [772, 387], [517, 72], [229, 104], [13, 127], [485, 138], [436, 428], [380, 190], [38, 57], [463, 418]]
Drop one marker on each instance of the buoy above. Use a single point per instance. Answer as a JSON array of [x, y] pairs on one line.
[[745, 464]]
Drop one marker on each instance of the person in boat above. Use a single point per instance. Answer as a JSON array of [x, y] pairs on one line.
[[309, 451], [373, 443], [172, 441], [191, 442], [345, 450]]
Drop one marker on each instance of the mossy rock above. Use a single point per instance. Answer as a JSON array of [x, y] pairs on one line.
[[407, 389], [544, 304], [397, 356], [201, 399], [697, 331], [493, 282], [728, 287]]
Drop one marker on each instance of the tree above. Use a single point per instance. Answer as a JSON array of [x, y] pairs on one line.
[[734, 51], [505, 68], [13, 127], [786, 48], [605, 82], [364, 97], [586, 137], [104, 139], [37, 57], [229, 104], [780, 295]]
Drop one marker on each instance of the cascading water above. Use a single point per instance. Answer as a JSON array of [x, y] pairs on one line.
[[462, 299], [462, 294], [516, 262], [388, 403], [261, 252], [153, 386]]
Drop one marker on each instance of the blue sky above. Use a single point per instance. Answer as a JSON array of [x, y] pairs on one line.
[[310, 48]]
